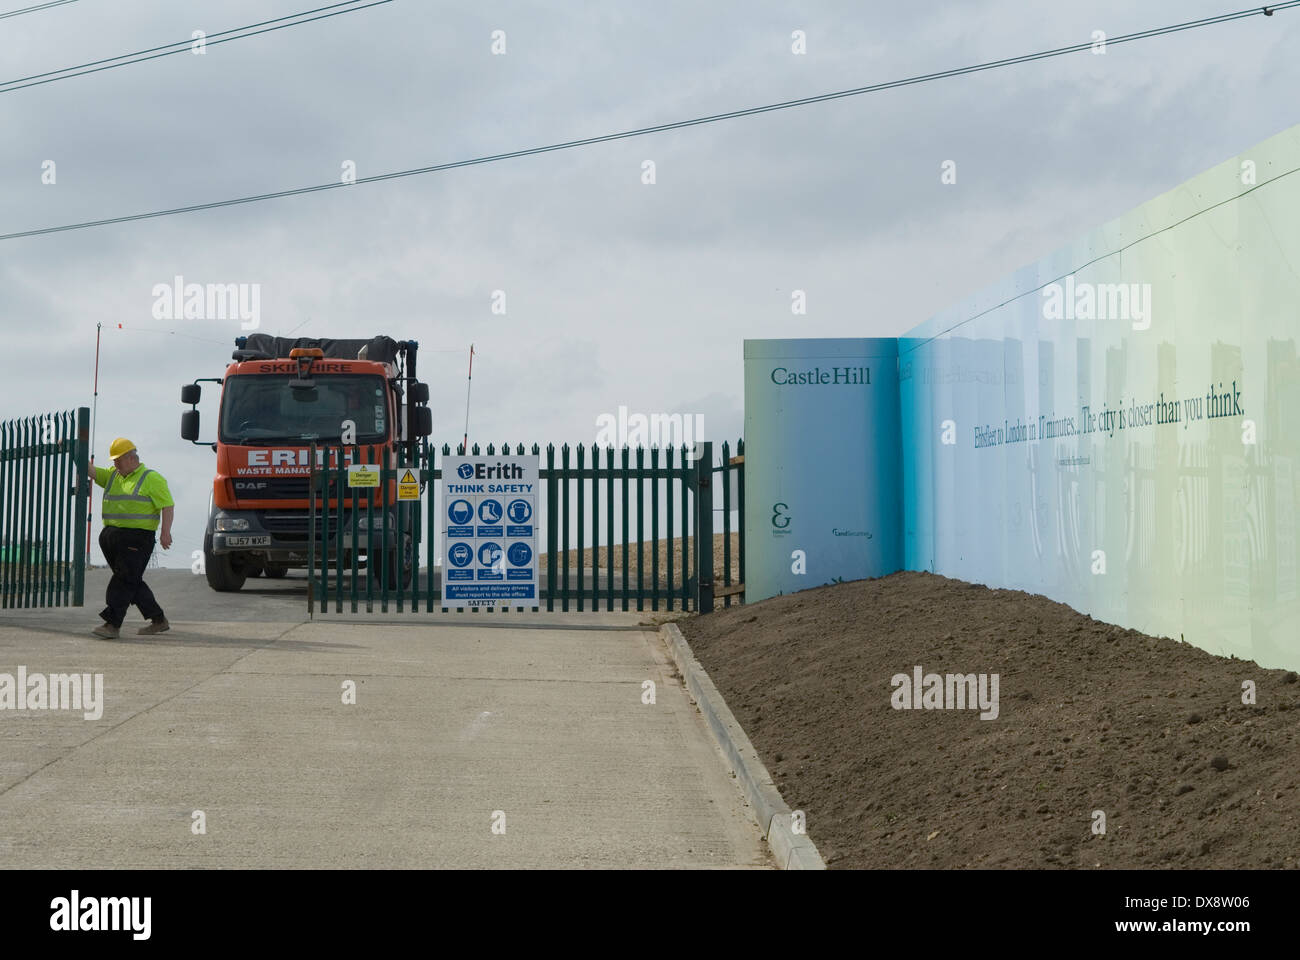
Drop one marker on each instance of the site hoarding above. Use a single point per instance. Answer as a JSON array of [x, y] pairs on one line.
[[822, 473], [1117, 426]]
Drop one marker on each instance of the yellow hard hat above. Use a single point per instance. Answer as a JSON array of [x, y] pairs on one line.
[[121, 447]]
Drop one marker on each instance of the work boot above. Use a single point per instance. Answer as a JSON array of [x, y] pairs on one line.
[[106, 631], [156, 626]]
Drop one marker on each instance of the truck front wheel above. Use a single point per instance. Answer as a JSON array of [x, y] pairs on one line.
[[226, 572], [391, 570]]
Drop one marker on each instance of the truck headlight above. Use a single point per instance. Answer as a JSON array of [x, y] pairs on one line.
[[227, 524]]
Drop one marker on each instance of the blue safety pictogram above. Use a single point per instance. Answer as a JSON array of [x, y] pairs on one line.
[[489, 555]]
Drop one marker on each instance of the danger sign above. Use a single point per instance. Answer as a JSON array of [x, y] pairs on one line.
[[360, 475], [408, 488]]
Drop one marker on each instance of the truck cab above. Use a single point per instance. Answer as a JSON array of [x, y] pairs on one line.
[[354, 398]]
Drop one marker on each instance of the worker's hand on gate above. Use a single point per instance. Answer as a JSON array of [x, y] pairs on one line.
[[165, 540]]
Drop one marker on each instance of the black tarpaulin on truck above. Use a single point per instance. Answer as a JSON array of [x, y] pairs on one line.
[[256, 346]]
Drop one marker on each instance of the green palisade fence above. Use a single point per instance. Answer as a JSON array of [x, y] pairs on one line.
[[624, 502], [44, 498]]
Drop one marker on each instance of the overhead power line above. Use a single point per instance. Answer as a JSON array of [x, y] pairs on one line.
[[34, 9], [183, 46], [663, 127]]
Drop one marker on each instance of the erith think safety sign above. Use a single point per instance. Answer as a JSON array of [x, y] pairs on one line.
[[490, 531]]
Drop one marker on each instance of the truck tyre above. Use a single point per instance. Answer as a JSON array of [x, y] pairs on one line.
[[225, 572], [391, 571], [275, 570]]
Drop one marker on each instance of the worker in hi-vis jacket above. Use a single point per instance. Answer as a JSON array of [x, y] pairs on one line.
[[136, 500]]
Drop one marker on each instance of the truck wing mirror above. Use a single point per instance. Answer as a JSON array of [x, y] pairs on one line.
[[423, 421], [190, 393], [419, 392], [190, 425]]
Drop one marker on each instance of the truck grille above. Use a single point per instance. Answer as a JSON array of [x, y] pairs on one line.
[[275, 488], [293, 527]]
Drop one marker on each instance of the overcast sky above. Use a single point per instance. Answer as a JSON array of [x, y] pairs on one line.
[[617, 292]]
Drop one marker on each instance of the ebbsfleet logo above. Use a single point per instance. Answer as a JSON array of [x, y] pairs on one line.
[[824, 377], [780, 519]]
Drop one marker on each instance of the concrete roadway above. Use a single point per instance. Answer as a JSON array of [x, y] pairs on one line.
[[238, 712]]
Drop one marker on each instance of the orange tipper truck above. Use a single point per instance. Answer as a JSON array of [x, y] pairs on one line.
[[277, 398]]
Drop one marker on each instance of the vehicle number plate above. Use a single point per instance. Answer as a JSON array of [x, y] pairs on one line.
[[248, 541]]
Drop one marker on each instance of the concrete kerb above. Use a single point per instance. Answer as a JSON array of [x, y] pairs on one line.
[[792, 851]]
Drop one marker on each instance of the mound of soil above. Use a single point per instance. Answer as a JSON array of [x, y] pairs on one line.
[[1091, 717]]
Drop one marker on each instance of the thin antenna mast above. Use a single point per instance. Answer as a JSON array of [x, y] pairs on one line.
[[94, 415], [468, 383]]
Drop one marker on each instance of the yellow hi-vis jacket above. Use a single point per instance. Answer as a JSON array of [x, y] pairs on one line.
[[133, 501]]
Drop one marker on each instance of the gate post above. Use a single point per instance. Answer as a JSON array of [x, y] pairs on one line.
[[552, 507], [311, 533], [82, 491], [704, 527]]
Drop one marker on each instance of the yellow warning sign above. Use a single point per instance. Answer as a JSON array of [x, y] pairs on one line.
[[360, 475], [408, 488]]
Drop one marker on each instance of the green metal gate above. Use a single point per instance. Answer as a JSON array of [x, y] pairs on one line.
[[44, 498], [629, 496]]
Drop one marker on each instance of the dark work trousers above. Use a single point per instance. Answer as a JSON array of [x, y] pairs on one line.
[[127, 552]]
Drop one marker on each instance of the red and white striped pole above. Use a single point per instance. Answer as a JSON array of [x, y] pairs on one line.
[[94, 409]]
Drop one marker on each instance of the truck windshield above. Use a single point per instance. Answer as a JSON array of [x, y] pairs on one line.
[[261, 408]]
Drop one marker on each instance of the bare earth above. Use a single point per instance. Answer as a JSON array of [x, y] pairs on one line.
[[1092, 717]]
